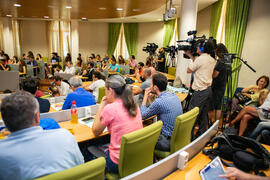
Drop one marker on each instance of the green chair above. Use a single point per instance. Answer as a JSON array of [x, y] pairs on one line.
[[172, 71], [137, 150], [122, 71], [101, 94], [181, 135], [92, 170]]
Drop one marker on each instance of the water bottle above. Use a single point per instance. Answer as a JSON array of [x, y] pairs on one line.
[[74, 113]]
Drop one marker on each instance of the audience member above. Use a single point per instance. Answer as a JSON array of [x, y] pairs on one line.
[[68, 58], [263, 130], [97, 83], [31, 85], [22, 67], [146, 75], [250, 112], [106, 58], [234, 173], [2, 53], [98, 58], [114, 67], [62, 86], [202, 68], [55, 58], [119, 112], [90, 72], [121, 60], [3, 65], [82, 97], [58, 68], [166, 106], [132, 62], [161, 60], [219, 82], [29, 151], [69, 68], [14, 60], [39, 57], [149, 61], [7, 59], [104, 65], [32, 61]]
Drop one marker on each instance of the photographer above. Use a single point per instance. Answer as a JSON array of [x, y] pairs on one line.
[[202, 68], [161, 60]]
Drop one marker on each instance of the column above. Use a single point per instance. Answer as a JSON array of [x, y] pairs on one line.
[[74, 40], [188, 20]]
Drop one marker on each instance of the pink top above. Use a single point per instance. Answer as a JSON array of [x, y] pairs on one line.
[[133, 63], [39, 93], [119, 123]]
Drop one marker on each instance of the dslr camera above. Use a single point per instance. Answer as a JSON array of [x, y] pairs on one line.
[[150, 48]]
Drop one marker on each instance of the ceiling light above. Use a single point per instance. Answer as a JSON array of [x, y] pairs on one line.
[[84, 18], [17, 5], [68, 7], [159, 19], [119, 9], [102, 8], [135, 10], [9, 15], [46, 17]]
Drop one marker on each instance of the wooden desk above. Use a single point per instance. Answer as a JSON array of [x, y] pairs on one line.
[[84, 78], [81, 132], [87, 83], [113, 72], [170, 77], [195, 165]]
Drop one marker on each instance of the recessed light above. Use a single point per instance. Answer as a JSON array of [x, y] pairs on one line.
[[17, 5], [119, 9], [9, 15], [46, 17], [159, 19], [135, 10], [84, 18], [102, 8], [68, 7]]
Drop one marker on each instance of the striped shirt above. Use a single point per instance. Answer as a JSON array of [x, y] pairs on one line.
[[167, 107]]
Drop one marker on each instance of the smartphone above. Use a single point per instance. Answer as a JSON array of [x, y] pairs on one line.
[[213, 170], [88, 119]]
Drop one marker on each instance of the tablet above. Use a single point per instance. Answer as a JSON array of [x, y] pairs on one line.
[[212, 170]]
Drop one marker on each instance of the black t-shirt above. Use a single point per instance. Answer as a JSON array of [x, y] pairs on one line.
[[220, 81], [161, 65], [44, 105]]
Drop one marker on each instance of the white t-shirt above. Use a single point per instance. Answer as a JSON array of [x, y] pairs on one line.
[[64, 89], [266, 103], [95, 86], [203, 68], [70, 70]]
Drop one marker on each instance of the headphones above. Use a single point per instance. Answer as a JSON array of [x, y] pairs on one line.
[[202, 47]]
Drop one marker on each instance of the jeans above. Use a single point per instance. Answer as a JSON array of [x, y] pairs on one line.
[[259, 129], [111, 167]]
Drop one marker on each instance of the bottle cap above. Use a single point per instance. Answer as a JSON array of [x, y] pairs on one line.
[[73, 102]]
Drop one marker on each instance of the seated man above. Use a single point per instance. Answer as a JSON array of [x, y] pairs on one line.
[[97, 83], [249, 112], [166, 106], [263, 129], [146, 75], [32, 61], [82, 97], [29, 151], [62, 86], [69, 68], [30, 85], [58, 68]]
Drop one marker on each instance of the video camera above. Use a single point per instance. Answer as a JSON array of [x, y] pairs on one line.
[[172, 50], [193, 43], [150, 48]]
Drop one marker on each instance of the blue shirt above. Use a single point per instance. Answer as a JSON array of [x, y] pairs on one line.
[[112, 67], [82, 98], [34, 63], [34, 152], [167, 107]]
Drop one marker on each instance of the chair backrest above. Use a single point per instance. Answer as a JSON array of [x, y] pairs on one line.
[[181, 135], [91, 170], [30, 71], [14, 67], [101, 94], [137, 149]]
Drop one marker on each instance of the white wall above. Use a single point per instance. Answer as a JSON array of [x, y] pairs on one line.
[[93, 38], [33, 37], [256, 45], [203, 22], [148, 33]]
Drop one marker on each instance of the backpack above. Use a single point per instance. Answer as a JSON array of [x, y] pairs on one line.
[[245, 153]]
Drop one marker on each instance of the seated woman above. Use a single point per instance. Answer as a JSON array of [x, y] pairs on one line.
[[250, 112], [252, 92], [121, 60], [120, 114], [114, 67], [22, 67]]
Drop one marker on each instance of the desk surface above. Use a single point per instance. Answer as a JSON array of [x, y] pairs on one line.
[[195, 165], [170, 77]]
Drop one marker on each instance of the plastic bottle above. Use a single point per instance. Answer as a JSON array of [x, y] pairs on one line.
[[74, 113]]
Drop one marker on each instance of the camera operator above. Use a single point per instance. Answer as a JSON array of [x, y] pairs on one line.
[[161, 60], [202, 68]]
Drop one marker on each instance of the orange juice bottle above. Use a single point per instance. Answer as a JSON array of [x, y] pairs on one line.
[[74, 113]]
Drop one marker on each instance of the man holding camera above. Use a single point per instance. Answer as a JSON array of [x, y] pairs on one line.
[[161, 60], [202, 67]]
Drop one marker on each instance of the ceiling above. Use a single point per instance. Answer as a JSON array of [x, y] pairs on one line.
[[92, 10]]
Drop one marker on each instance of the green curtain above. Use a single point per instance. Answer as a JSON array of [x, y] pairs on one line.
[[178, 28], [113, 35], [235, 29], [131, 36], [168, 32], [216, 11]]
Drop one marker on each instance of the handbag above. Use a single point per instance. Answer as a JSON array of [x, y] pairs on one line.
[[243, 100]]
